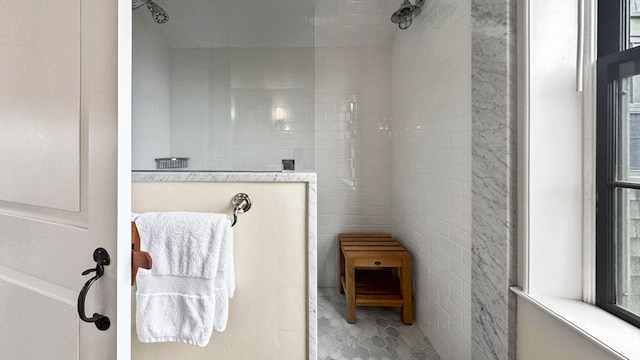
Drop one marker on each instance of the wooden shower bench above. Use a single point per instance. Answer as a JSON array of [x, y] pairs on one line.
[[375, 270]]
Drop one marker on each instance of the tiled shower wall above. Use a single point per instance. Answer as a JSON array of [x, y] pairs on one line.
[[432, 168], [353, 147], [224, 107], [151, 96]]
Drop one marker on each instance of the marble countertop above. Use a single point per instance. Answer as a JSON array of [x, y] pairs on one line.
[[141, 176]]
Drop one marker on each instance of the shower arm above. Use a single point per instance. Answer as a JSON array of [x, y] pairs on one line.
[[135, 4]]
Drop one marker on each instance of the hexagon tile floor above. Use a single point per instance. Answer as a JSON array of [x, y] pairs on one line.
[[377, 334]]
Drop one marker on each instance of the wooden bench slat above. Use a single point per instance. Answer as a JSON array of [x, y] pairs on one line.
[[361, 235], [370, 243], [377, 254], [373, 248], [366, 239]]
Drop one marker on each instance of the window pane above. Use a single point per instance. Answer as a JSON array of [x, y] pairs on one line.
[[634, 145], [628, 154], [628, 250], [634, 23]]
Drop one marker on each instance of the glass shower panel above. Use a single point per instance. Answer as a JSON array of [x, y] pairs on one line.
[[232, 93]]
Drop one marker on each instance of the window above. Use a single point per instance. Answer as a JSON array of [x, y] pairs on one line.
[[634, 110], [618, 160]]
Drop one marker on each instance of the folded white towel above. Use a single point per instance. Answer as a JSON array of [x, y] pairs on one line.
[[186, 294]]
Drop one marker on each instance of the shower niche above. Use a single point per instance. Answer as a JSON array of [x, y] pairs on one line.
[[231, 90]]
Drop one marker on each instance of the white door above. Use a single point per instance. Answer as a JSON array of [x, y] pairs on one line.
[[58, 168]]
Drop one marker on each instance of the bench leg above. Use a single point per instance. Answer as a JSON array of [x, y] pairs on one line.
[[406, 293], [341, 262], [350, 291]]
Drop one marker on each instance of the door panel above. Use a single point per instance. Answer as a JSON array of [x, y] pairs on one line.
[[53, 312], [58, 167], [40, 93]]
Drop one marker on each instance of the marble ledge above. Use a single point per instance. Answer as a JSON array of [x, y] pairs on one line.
[[223, 176]]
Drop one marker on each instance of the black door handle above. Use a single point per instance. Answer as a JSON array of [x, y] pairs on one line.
[[101, 257]]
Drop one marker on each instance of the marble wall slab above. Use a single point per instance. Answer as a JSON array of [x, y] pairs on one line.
[[493, 67]]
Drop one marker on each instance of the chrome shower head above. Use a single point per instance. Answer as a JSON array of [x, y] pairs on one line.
[[405, 14], [157, 12]]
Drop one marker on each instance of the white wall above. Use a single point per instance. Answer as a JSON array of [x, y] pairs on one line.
[[353, 147], [268, 315], [432, 168], [150, 106], [555, 157]]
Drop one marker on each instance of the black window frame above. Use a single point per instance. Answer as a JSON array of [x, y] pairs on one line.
[[612, 43]]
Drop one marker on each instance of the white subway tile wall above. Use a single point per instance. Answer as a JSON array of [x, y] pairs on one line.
[[219, 107], [353, 147], [243, 108], [432, 168], [349, 23], [151, 96]]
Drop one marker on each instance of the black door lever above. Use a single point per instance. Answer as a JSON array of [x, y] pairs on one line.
[[101, 257]]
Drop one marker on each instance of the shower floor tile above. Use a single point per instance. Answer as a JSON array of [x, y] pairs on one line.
[[377, 334]]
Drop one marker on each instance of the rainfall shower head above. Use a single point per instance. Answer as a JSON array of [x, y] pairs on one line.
[[157, 12], [405, 14]]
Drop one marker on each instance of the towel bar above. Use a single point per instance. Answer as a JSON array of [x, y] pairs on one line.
[[141, 259], [241, 204]]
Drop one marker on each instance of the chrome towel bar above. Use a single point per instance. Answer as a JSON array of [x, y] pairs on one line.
[[241, 204]]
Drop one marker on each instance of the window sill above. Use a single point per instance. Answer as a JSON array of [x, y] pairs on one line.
[[613, 335]]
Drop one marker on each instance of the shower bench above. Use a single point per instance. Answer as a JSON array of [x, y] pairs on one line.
[[375, 270]]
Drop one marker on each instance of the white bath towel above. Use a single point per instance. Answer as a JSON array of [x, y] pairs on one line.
[[185, 296]]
